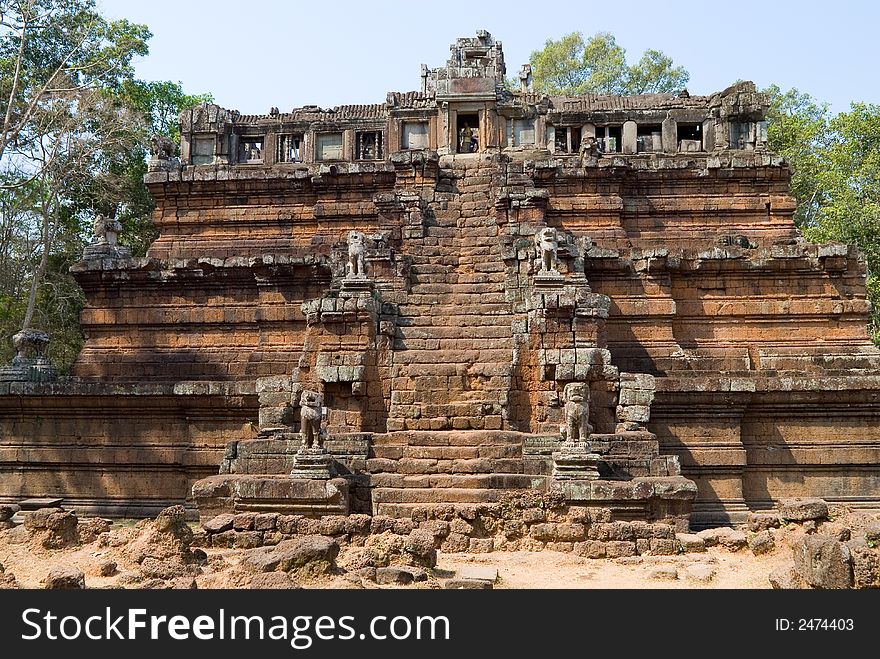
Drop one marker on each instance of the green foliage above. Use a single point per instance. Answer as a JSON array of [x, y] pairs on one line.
[[73, 143], [160, 103], [573, 66], [836, 174]]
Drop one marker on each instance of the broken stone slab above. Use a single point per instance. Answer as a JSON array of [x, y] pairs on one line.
[[393, 576], [690, 542], [226, 493], [700, 572], [786, 578], [762, 521], [272, 581], [8, 511], [478, 572], [306, 552], [467, 584], [801, 509], [762, 543], [219, 523], [727, 537], [40, 502], [823, 562], [64, 577], [664, 573]]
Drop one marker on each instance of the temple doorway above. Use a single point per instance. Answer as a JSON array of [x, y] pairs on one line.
[[468, 132]]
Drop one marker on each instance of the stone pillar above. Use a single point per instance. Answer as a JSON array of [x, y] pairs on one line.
[[709, 135], [393, 141], [551, 138], [670, 135], [541, 131], [628, 137]]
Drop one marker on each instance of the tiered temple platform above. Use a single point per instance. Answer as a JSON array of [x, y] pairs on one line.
[[442, 270]]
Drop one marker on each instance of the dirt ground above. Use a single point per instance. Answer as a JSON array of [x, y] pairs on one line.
[[716, 568]]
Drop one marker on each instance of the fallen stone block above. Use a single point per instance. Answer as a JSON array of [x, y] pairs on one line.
[[690, 542], [823, 562], [664, 573], [786, 578], [762, 521], [701, 572], [479, 573], [64, 578], [272, 581], [727, 537], [762, 543], [801, 509], [393, 576], [467, 584], [219, 523]]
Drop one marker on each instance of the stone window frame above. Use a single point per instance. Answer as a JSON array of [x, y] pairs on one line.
[[242, 139], [606, 130], [513, 131], [317, 147], [283, 147], [379, 144], [422, 122], [570, 144], [194, 151]]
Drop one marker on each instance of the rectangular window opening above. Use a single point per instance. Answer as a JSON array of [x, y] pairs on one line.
[[690, 137], [468, 127], [608, 138], [290, 148], [368, 145], [203, 150], [523, 132], [415, 135], [328, 146], [250, 150], [649, 138], [568, 139]]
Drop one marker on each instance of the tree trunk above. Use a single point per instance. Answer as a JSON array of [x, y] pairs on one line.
[[37, 279]]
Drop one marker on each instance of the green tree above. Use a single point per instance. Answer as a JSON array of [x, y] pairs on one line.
[[74, 126], [572, 66], [835, 162], [160, 103]]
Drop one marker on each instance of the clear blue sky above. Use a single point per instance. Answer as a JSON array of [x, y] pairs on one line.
[[255, 54]]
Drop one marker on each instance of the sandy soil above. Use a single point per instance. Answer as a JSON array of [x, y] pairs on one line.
[[717, 568]]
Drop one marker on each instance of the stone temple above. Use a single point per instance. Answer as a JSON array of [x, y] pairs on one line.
[[460, 292]]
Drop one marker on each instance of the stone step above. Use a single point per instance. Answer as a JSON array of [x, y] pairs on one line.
[[501, 330], [483, 355], [409, 343], [392, 452], [452, 481], [419, 297], [415, 466], [436, 510], [438, 318], [420, 289], [382, 495], [450, 438]]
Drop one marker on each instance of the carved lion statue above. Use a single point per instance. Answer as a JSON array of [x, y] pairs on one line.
[[311, 415], [577, 426], [161, 147], [106, 229], [356, 267], [30, 343], [546, 247]]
